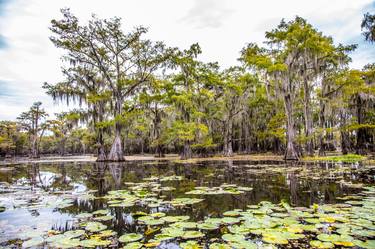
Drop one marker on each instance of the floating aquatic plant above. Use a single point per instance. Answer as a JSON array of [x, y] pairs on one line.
[[130, 237]]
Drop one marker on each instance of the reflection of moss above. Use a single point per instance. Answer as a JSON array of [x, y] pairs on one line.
[[349, 158]]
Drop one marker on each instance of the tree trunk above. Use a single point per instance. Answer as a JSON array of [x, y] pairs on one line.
[[288, 91], [344, 135], [116, 154], [156, 133], [62, 146], [276, 145], [100, 151], [345, 142], [228, 149], [361, 132], [247, 140], [240, 137], [34, 146], [322, 149], [101, 154], [308, 119], [291, 152], [186, 152], [159, 151], [142, 146]]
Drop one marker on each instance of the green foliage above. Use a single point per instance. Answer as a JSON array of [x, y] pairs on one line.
[[296, 90]]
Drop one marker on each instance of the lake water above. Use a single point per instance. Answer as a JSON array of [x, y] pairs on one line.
[[42, 200]]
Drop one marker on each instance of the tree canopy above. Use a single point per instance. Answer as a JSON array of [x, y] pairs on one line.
[[295, 95]]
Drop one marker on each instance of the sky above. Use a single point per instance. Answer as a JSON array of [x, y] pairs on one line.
[[221, 27]]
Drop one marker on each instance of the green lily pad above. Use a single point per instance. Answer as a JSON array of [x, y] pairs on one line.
[[74, 233], [192, 235], [95, 227], [244, 244], [107, 233], [320, 244], [133, 245], [185, 224], [230, 220], [342, 240], [180, 202], [101, 211], [172, 219], [130, 237], [173, 231], [139, 213], [274, 238], [158, 215], [162, 237], [368, 244], [94, 242], [63, 242], [232, 213], [208, 226], [232, 237], [219, 246]]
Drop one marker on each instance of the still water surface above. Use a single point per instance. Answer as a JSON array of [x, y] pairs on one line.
[[26, 188]]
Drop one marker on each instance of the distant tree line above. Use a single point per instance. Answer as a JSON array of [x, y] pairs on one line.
[[294, 96]]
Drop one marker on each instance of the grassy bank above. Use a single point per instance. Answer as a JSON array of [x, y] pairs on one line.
[[349, 158]]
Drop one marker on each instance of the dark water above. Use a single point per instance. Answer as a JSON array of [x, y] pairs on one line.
[[299, 185]]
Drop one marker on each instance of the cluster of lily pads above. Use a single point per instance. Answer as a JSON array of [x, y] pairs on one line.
[[232, 189], [349, 223], [336, 172], [145, 194], [266, 225]]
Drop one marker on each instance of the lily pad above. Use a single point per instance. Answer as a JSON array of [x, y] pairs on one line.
[[219, 246], [232, 237], [172, 219], [74, 233], [130, 237], [101, 211], [192, 235], [107, 233], [320, 244], [95, 227], [274, 238], [208, 226], [94, 242], [133, 245]]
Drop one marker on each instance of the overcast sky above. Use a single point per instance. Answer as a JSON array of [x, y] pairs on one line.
[[221, 27]]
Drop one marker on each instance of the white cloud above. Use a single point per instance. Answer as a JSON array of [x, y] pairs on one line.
[[222, 28], [208, 13]]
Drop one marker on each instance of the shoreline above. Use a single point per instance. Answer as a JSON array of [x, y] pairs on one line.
[[174, 157], [145, 157]]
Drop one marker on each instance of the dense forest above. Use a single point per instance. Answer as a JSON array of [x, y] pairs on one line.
[[296, 95]]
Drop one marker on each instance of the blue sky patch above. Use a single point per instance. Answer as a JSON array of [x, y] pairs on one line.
[[3, 43]]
